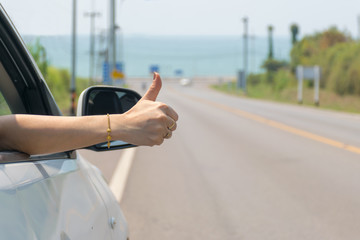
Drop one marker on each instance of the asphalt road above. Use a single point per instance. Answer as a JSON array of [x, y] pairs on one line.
[[246, 169]]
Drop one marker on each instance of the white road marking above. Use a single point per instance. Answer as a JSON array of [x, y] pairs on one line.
[[118, 181]]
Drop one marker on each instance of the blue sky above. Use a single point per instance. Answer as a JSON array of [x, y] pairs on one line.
[[187, 17]]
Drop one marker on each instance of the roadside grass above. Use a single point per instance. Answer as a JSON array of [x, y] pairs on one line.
[[328, 99]]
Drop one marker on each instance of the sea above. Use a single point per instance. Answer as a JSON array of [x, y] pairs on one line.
[[173, 56]]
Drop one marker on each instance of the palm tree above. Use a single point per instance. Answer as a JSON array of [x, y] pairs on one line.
[[270, 30], [294, 28]]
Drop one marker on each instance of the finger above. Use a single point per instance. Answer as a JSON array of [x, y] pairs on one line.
[[171, 124], [154, 89], [168, 135], [171, 113]]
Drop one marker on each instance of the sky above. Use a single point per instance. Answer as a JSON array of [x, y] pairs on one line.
[[186, 17]]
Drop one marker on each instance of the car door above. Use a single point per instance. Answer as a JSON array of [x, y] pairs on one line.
[[45, 196]]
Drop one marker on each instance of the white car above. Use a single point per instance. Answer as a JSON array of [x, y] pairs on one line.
[[185, 82], [53, 196]]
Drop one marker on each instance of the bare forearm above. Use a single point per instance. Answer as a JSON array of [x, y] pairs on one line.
[[44, 134]]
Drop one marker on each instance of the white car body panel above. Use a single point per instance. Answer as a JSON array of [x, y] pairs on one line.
[[57, 199]]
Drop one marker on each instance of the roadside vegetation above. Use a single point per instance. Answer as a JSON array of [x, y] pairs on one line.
[[57, 79], [334, 51]]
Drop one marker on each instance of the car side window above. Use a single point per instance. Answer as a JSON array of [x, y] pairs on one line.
[[4, 107]]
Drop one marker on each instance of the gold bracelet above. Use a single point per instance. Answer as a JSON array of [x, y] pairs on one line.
[[108, 138]]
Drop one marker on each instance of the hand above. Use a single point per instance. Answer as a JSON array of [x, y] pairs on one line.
[[148, 122]]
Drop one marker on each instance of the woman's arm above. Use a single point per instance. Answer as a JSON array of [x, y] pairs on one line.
[[147, 123]]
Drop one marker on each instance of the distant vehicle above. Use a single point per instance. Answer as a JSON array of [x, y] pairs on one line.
[[52, 196], [185, 82]]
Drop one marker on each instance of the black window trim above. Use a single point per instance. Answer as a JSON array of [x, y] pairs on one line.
[[23, 71]]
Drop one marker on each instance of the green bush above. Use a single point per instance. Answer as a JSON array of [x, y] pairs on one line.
[[337, 55], [39, 54], [341, 69], [273, 65], [310, 50], [255, 79], [283, 79], [58, 81]]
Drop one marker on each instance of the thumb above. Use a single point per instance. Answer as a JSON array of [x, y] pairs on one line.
[[154, 89]]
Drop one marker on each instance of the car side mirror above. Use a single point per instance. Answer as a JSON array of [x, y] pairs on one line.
[[100, 100]]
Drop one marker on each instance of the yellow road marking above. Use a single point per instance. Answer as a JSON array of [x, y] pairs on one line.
[[277, 125]]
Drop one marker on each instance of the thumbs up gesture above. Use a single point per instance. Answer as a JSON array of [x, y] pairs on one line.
[[148, 122]]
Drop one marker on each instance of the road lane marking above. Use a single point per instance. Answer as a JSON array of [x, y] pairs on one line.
[[275, 124], [119, 179]]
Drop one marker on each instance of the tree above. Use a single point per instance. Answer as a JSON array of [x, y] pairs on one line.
[[273, 65], [310, 50], [294, 32], [337, 55], [270, 31], [38, 52]]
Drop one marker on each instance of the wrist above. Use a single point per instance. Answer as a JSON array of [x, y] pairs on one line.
[[118, 127]]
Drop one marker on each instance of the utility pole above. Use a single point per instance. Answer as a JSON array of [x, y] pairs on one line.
[[73, 61], [112, 37], [358, 25], [245, 20], [253, 53], [92, 16]]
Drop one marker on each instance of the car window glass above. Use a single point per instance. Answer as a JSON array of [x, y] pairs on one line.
[[4, 107]]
